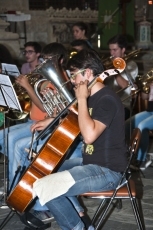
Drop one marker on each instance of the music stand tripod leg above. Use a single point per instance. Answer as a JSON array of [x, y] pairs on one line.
[[5, 169]]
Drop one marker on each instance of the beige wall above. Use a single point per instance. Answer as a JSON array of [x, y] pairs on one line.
[[21, 5]]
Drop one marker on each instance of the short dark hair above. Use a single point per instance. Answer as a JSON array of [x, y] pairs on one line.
[[37, 47], [120, 39], [86, 59], [82, 26], [81, 42], [56, 48]]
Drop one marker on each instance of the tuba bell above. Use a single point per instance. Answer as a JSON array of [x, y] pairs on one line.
[[23, 98], [52, 71]]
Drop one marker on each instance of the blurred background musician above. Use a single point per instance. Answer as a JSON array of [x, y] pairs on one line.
[[117, 47], [20, 131], [80, 44], [143, 121], [80, 30], [32, 51]]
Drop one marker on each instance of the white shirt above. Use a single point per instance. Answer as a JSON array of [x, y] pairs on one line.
[[132, 71]]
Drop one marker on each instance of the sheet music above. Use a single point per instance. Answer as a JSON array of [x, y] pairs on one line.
[[10, 69], [8, 95]]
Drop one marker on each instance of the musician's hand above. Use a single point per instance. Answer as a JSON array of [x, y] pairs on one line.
[[23, 81], [40, 125], [81, 90]]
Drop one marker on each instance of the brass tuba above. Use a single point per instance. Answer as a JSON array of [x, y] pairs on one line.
[[108, 62], [23, 98], [52, 71]]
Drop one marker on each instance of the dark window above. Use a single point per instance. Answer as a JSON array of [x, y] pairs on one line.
[[59, 4]]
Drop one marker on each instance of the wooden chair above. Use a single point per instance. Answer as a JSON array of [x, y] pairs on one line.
[[125, 190]]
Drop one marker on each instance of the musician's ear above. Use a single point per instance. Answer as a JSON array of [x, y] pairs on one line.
[[88, 73]]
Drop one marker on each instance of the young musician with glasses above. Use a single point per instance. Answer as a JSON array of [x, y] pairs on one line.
[[101, 122], [32, 51], [20, 131]]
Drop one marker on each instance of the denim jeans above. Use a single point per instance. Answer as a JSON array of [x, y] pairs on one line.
[[87, 178], [143, 121], [21, 159], [11, 136]]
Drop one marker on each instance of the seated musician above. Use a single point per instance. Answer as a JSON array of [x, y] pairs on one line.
[[101, 122], [17, 132], [143, 121], [122, 83]]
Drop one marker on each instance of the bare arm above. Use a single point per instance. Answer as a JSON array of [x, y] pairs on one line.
[[90, 129], [121, 81], [40, 125], [23, 81]]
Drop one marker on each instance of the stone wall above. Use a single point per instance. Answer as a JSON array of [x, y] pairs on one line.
[[50, 25], [45, 26]]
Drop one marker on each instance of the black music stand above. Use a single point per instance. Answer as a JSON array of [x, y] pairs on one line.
[[9, 100], [10, 69]]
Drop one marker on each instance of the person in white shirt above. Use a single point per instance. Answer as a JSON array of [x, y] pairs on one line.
[[117, 46]]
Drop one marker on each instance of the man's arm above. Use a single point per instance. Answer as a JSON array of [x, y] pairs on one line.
[[90, 129], [23, 81], [123, 83]]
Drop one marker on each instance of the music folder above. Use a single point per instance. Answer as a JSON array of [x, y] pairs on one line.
[[10, 69], [8, 97]]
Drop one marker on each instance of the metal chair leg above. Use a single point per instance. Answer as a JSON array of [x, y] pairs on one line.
[[7, 218]]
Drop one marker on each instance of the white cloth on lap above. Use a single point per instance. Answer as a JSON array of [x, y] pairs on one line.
[[52, 186]]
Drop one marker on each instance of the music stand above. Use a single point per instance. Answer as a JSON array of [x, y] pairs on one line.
[[8, 100], [10, 69]]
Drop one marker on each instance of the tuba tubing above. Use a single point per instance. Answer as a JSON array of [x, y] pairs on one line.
[[52, 71]]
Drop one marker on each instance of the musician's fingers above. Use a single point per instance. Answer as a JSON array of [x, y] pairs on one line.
[[54, 112]]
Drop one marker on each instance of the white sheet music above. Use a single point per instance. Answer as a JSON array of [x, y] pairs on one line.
[[8, 96], [10, 69]]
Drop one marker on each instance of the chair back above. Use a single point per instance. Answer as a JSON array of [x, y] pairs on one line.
[[132, 152], [134, 143]]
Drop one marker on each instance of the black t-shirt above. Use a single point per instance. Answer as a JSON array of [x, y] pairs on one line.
[[109, 150]]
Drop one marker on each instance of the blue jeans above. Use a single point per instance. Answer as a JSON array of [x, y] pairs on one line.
[[143, 121], [12, 135], [20, 159], [87, 178]]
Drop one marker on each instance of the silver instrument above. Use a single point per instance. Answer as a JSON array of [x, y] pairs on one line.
[[52, 71]]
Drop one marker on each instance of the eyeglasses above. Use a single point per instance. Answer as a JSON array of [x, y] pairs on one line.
[[28, 52], [73, 76]]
